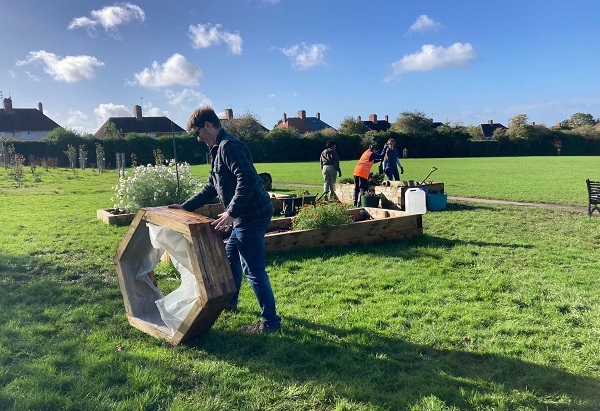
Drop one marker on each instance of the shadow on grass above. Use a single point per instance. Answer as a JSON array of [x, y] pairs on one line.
[[405, 249], [366, 367]]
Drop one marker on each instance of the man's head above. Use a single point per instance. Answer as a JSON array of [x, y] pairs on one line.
[[205, 124], [373, 148], [200, 116], [331, 144]]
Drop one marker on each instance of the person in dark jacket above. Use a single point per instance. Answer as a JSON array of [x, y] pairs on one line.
[[248, 211], [330, 168], [391, 162]]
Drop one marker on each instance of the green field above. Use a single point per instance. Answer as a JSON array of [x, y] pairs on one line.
[[493, 308]]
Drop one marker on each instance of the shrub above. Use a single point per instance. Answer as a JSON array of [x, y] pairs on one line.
[[153, 186], [321, 215]]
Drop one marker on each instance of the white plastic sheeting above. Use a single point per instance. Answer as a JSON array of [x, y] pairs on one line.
[[175, 306]]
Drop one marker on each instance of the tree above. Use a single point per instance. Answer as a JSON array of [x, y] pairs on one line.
[[581, 119], [246, 127], [517, 126], [350, 126], [61, 135], [412, 122], [475, 132], [111, 131]]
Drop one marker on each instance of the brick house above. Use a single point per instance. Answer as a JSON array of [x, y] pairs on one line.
[[302, 123]]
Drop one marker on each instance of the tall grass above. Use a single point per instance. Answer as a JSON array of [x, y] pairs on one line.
[[494, 307]]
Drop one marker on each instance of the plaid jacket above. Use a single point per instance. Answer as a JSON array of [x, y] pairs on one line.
[[235, 181]]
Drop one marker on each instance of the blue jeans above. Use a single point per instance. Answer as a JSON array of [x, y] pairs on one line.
[[246, 253]]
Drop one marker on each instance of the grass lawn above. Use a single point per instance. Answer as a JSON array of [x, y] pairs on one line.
[[494, 307]]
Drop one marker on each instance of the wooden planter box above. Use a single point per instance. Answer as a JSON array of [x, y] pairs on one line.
[[198, 247], [392, 197], [371, 225], [108, 217]]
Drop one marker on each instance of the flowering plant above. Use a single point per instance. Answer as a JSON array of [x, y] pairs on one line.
[[152, 186], [321, 215]]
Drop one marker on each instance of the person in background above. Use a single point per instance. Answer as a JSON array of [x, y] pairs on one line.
[[248, 211], [330, 168], [362, 170], [391, 161]]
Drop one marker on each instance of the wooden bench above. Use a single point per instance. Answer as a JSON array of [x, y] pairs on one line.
[[593, 196]]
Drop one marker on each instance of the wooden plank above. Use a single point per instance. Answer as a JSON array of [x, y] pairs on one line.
[[397, 225]]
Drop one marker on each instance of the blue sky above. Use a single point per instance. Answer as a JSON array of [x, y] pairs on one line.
[[460, 61]]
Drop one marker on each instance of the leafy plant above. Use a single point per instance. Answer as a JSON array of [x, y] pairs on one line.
[[370, 193], [321, 215], [376, 179], [152, 186]]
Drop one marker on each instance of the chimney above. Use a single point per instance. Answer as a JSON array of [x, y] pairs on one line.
[[302, 114], [318, 115], [386, 118], [7, 104], [358, 120], [137, 112], [533, 123], [373, 118], [284, 118], [228, 114], [40, 108], [490, 121]]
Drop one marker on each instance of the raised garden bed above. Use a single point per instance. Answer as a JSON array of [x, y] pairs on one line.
[[371, 225], [392, 197]]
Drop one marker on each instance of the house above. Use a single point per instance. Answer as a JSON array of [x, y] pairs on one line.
[[24, 123], [489, 128], [376, 125], [153, 126], [302, 123]]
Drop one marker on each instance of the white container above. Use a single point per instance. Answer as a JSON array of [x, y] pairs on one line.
[[415, 201]]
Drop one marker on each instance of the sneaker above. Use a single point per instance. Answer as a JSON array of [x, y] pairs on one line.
[[258, 328]]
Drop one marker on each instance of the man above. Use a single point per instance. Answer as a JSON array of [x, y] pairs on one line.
[[248, 211], [330, 166], [362, 170]]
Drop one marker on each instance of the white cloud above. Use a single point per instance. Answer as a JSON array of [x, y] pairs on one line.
[[305, 56], [153, 112], [432, 57], [69, 69], [78, 121], [104, 111], [423, 24], [187, 98], [206, 35], [175, 71], [109, 17]]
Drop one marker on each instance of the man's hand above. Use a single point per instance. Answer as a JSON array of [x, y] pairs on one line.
[[401, 170], [339, 173], [224, 222], [178, 206]]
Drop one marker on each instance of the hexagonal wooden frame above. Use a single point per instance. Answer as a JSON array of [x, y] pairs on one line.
[[208, 259]]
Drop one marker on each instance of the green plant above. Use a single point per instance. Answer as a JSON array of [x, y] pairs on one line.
[[376, 179], [371, 193], [321, 215], [71, 153], [152, 186]]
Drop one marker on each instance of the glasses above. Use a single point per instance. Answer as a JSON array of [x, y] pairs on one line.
[[197, 132]]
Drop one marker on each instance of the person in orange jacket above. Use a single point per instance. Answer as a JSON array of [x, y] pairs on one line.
[[362, 170]]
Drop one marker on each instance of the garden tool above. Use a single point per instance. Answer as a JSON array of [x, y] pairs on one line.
[[432, 170]]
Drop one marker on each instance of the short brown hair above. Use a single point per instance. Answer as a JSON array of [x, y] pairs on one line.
[[202, 114]]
